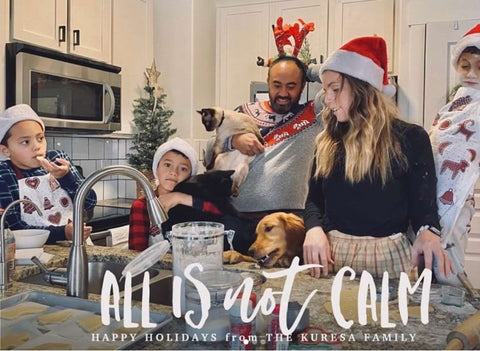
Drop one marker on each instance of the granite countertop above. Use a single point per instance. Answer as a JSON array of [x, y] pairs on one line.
[[425, 336], [116, 203]]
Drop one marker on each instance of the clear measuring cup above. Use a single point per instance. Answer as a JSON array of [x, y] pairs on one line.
[[196, 242]]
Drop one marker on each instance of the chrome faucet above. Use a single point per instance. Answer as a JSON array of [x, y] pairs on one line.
[[4, 277], [77, 271]]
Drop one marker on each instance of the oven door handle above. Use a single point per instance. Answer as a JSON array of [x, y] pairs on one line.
[[107, 89]]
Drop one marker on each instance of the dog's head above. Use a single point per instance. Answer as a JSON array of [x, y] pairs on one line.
[[211, 117], [279, 239]]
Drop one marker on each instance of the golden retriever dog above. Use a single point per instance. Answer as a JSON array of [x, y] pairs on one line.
[[232, 257], [279, 239], [227, 123]]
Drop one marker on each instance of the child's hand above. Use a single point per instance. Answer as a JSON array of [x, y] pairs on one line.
[[173, 199], [87, 230], [58, 171]]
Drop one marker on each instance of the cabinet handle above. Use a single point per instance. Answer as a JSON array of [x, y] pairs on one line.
[[76, 37], [61, 33]]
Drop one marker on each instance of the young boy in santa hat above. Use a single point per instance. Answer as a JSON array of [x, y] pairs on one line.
[[49, 179], [174, 162], [455, 141]]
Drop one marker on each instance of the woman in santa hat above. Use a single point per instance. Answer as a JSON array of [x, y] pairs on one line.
[[373, 174], [455, 140]]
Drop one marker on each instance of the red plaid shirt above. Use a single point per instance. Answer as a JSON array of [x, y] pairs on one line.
[[140, 227]]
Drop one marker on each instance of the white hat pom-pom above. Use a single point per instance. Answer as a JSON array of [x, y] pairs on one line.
[[313, 72], [389, 90]]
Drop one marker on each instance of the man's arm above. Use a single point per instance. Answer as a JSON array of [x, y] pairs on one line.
[[247, 144]]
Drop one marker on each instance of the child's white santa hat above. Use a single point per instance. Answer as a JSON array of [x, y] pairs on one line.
[[471, 38], [178, 145], [15, 114], [364, 58]]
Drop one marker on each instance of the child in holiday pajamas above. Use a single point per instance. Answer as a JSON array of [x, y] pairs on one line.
[[455, 141], [49, 179]]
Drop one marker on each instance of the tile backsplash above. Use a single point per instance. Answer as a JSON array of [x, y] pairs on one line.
[[94, 152]]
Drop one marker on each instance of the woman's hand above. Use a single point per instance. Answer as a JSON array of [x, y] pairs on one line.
[[58, 171], [247, 144], [173, 199], [316, 250], [429, 245]]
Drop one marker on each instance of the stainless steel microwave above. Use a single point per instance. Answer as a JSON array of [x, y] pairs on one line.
[[66, 91]]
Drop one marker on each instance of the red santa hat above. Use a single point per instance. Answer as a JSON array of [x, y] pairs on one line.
[[364, 58], [471, 38]]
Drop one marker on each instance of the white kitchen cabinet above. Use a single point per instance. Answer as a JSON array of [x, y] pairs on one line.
[[242, 35], [244, 31], [81, 27], [90, 31], [355, 18], [310, 11], [40, 22]]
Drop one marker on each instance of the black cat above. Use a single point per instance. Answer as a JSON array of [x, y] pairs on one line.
[[214, 186]]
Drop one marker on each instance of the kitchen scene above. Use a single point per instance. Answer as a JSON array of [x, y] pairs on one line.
[[108, 82]]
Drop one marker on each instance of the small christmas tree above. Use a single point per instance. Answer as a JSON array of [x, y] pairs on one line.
[[151, 118], [305, 55]]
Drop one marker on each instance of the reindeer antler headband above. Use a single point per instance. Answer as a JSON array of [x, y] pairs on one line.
[[283, 34]]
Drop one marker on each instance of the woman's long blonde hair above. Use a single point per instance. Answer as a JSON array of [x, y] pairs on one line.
[[369, 141]]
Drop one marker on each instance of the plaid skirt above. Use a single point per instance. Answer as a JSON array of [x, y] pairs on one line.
[[375, 255]]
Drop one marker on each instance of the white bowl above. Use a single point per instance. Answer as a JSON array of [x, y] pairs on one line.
[[30, 238]]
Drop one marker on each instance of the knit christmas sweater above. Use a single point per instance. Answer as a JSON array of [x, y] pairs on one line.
[[278, 178], [455, 141]]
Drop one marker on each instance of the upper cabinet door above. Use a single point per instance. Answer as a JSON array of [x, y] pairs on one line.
[[310, 11], [40, 22], [242, 35], [355, 18], [91, 28]]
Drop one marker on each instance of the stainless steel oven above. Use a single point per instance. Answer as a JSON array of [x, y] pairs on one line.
[[67, 92]]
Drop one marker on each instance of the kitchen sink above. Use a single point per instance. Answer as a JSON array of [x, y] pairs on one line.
[[160, 290], [96, 272]]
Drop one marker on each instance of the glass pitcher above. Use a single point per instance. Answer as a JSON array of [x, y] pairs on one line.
[[196, 242]]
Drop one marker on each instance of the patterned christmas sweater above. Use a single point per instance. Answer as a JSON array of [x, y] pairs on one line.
[[455, 141]]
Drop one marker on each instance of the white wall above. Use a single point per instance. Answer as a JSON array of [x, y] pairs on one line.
[[184, 47], [204, 34], [173, 49], [132, 47]]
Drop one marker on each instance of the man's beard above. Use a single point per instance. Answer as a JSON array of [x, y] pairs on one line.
[[281, 108]]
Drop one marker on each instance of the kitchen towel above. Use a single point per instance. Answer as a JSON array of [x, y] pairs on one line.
[[120, 237], [23, 256]]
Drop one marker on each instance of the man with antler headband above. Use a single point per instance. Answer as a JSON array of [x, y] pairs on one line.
[[278, 176]]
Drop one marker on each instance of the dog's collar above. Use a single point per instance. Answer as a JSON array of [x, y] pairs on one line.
[[223, 117]]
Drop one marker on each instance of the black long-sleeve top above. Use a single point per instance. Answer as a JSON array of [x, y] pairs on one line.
[[368, 209]]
